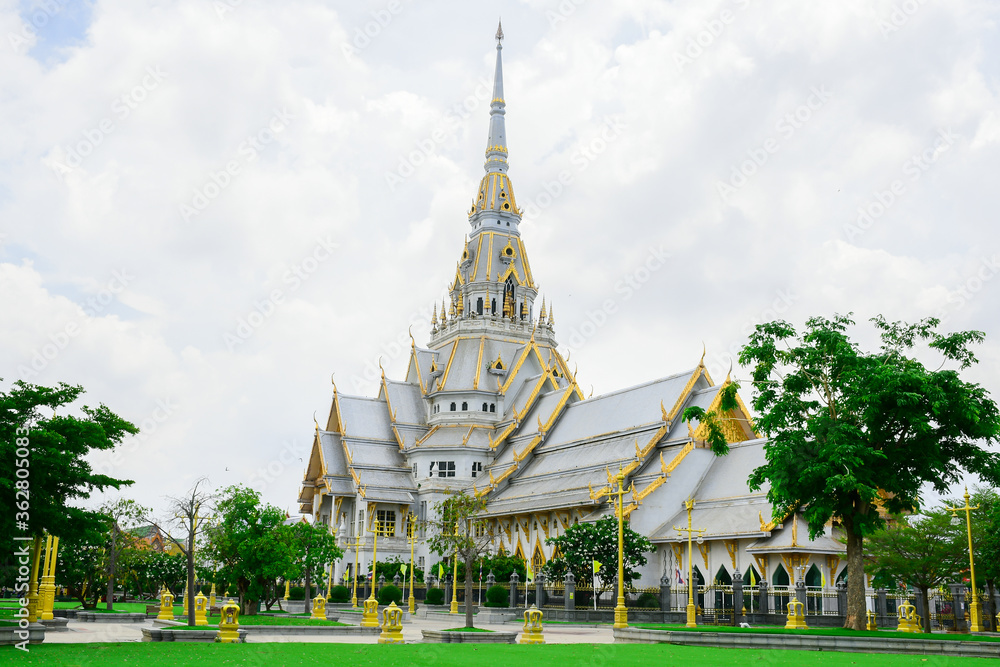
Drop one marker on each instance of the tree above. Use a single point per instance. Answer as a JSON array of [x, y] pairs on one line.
[[120, 515], [186, 512], [988, 545], [248, 542], [80, 563], [583, 543], [853, 433], [923, 551], [57, 448], [313, 548], [459, 530]]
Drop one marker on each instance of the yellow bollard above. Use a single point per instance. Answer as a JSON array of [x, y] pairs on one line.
[[33, 607], [392, 625], [185, 594], [229, 624], [871, 625], [319, 608], [796, 616], [908, 619], [369, 617], [200, 609], [211, 596], [166, 606], [532, 633]]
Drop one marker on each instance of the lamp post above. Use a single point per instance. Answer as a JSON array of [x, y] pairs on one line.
[[689, 504], [374, 557], [357, 546], [974, 625], [621, 612], [411, 536], [454, 578]]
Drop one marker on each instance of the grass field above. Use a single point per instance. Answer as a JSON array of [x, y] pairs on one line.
[[830, 632], [443, 655]]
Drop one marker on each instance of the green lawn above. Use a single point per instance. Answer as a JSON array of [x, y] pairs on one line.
[[836, 632], [443, 655]]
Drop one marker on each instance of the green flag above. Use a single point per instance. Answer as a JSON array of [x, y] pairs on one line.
[[440, 571], [402, 569]]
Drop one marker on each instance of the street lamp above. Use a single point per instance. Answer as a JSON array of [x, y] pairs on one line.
[[357, 546], [621, 612], [974, 625], [689, 504], [411, 536], [454, 578]]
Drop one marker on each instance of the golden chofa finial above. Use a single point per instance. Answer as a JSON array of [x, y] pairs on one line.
[[315, 422], [413, 341], [701, 362], [380, 367], [729, 373], [333, 382]]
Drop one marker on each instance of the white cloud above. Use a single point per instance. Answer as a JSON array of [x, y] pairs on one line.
[[776, 247]]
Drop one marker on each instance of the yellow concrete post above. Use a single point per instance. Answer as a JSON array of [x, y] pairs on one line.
[[229, 624], [43, 589], [50, 601], [200, 609], [796, 616], [319, 608], [532, 632], [392, 625], [166, 612]]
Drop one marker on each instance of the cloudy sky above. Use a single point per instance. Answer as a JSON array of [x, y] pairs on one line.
[[208, 207]]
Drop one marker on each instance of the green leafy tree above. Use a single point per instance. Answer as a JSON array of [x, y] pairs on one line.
[[314, 548], [852, 431], [986, 533], [504, 565], [80, 565], [923, 551], [60, 475], [249, 542], [120, 516], [583, 543], [457, 529]]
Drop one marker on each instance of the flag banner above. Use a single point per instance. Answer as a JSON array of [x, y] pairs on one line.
[[597, 567], [402, 569], [440, 571], [753, 579], [680, 579], [531, 574]]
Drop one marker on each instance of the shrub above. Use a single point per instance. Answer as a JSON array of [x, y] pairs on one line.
[[435, 596], [648, 601], [296, 593], [497, 596], [340, 594], [390, 593]]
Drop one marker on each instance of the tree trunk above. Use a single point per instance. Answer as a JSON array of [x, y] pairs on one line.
[[468, 593], [111, 572], [991, 607], [926, 611], [856, 616], [308, 593], [190, 584]]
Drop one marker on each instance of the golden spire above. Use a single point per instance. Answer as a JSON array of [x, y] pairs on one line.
[[541, 315], [444, 313], [486, 303], [552, 317], [461, 305], [451, 311], [434, 317]]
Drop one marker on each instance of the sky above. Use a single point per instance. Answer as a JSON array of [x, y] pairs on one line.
[[208, 208]]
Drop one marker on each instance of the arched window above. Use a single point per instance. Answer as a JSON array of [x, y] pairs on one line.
[[485, 407], [465, 406], [453, 406], [780, 576], [479, 306], [493, 407], [493, 306]]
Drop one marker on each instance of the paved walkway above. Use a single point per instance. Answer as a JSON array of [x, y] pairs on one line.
[[82, 633]]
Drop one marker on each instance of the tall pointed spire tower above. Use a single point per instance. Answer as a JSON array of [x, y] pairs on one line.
[[493, 289]]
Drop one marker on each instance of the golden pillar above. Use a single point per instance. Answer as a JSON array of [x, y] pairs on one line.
[[369, 617], [412, 537], [33, 584], [691, 616], [354, 590], [46, 592], [287, 584], [621, 612], [974, 620]]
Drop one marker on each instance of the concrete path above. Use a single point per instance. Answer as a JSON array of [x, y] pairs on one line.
[[83, 633]]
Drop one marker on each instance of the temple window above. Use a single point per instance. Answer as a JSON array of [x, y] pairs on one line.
[[465, 406], [453, 408]]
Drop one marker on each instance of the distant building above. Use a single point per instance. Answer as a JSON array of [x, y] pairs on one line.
[[490, 406]]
